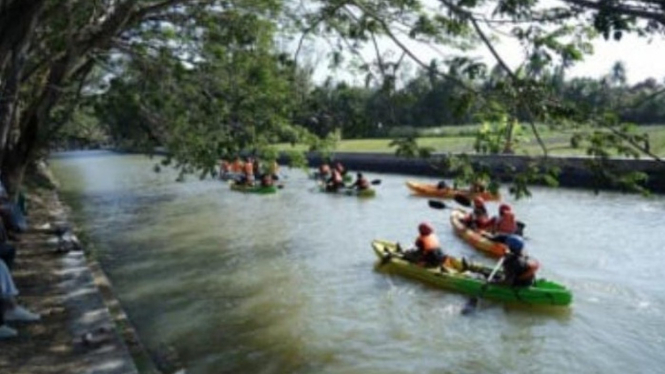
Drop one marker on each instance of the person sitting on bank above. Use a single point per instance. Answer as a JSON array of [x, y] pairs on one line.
[[9, 308], [335, 182], [478, 219], [7, 251], [518, 269], [361, 182], [427, 251]]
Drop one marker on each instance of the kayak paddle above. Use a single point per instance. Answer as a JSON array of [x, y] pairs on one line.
[[473, 302]]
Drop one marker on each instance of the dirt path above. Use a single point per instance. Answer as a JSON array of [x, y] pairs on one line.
[[68, 292]]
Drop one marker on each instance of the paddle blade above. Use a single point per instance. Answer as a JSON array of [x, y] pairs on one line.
[[376, 182], [436, 204], [470, 306], [462, 200]]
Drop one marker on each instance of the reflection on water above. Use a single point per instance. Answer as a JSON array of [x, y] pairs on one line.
[[285, 283]]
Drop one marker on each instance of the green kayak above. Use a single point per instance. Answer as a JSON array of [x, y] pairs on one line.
[[253, 189], [471, 281], [370, 192]]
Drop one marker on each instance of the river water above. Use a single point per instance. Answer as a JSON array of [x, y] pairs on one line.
[[242, 283]]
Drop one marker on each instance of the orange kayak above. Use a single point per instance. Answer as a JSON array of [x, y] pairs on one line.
[[475, 238], [431, 190]]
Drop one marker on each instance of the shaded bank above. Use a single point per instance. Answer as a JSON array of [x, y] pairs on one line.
[[576, 172]]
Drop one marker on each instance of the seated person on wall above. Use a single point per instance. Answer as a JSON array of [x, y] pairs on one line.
[[7, 251], [9, 308], [361, 183]]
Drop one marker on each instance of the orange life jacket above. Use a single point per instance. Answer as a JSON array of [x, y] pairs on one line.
[[237, 166], [506, 224], [249, 168], [429, 242]]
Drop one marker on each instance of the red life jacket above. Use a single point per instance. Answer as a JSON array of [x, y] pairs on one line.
[[506, 224]]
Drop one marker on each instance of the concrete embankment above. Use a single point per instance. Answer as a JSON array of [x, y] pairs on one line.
[[575, 172]]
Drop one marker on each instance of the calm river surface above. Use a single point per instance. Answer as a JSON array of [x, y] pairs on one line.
[[241, 283]]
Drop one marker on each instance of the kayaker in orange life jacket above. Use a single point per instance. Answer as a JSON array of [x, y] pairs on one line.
[[478, 219], [427, 251], [361, 182], [248, 173], [518, 269]]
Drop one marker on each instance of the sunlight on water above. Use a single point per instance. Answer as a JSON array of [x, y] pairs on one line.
[[286, 283]]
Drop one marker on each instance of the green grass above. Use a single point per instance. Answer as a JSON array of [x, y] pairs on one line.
[[457, 140]]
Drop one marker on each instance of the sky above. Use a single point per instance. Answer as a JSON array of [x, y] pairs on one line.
[[642, 58]]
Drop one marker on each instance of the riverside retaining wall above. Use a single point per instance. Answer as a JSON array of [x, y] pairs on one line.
[[574, 171]]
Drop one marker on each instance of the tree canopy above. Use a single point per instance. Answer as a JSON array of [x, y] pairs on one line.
[[206, 78]]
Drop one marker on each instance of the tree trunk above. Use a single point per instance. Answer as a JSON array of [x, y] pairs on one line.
[[17, 22]]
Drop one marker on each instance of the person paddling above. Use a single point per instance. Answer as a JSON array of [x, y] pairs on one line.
[[361, 183], [427, 251], [478, 219], [335, 182], [505, 223], [518, 269]]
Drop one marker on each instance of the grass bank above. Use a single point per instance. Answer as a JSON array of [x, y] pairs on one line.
[[461, 139]]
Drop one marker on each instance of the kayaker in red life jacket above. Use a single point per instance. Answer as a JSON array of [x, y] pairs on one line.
[[519, 270], [335, 182], [361, 182], [427, 251], [478, 219], [505, 223]]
